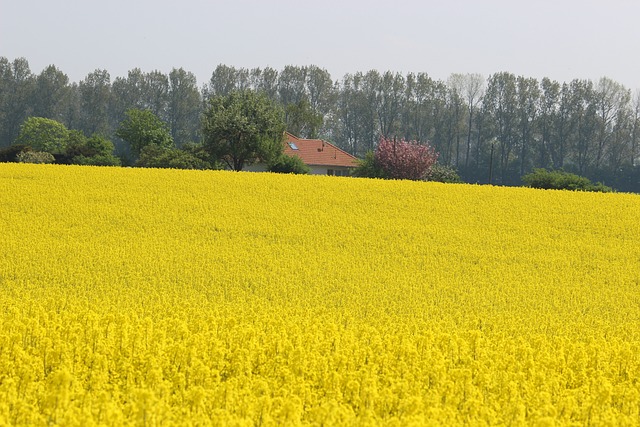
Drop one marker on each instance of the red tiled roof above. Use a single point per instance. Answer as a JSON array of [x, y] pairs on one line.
[[316, 152]]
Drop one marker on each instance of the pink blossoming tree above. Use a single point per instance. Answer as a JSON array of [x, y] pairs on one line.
[[405, 159]]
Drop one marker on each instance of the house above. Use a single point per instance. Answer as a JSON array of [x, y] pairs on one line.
[[322, 157]]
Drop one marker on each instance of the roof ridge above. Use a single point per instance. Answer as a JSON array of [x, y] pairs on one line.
[[338, 148], [322, 141]]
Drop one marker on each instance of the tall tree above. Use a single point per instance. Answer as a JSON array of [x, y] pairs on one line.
[[71, 109], [471, 88], [321, 94], [226, 79], [635, 133], [16, 89], [528, 101], [440, 119], [620, 146], [302, 120], [265, 81], [127, 93], [156, 94], [292, 82], [455, 120], [502, 101], [550, 95], [416, 115], [586, 113], [49, 93], [184, 106], [485, 138], [390, 89], [366, 118], [610, 95], [95, 99], [354, 124], [242, 128], [564, 120]]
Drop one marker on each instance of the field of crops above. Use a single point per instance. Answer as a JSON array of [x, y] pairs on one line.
[[163, 297]]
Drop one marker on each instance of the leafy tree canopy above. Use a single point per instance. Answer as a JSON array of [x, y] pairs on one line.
[[44, 134], [142, 128], [242, 128]]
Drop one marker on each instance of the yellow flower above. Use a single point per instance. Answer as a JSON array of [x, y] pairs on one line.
[[142, 296]]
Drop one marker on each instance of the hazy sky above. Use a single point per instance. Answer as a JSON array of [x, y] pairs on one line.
[[559, 39]]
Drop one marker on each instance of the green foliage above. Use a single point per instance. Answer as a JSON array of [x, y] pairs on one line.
[[288, 164], [369, 167], [96, 145], [76, 143], [442, 173], [35, 157], [44, 134], [142, 128], [97, 160], [96, 150], [154, 156], [198, 151], [302, 120], [599, 187], [242, 128], [561, 180]]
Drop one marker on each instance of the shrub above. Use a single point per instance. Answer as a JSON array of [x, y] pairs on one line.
[[155, 156], [442, 173], [288, 164], [368, 167], [96, 150], [561, 180], [405, 159], [599, 187], [35, 157]]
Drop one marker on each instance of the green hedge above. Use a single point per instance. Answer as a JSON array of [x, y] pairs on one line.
[[561, 180]]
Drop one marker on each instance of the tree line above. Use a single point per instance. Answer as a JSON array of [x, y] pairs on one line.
[[494, 129]]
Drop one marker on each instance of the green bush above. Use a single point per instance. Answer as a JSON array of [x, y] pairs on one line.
[[96, 150], [561, 180], [155, 156], [369, 167], [442, 173], [288, 164], [599, 187], [35, 157]]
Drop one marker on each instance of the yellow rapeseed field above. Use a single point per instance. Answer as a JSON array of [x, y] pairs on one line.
[[164, 297]]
